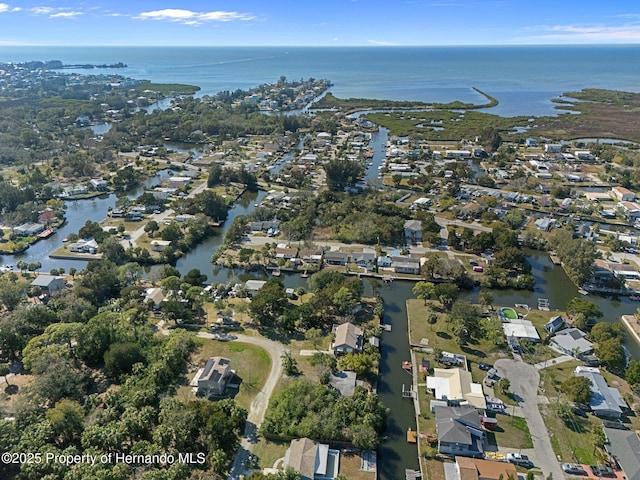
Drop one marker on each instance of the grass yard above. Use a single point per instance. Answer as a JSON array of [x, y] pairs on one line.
[[251, 364], [440, 335], [512, 432], [268, 452], [572, 444], [350, 464]]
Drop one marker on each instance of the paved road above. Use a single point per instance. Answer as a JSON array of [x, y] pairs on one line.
[[524, 380]]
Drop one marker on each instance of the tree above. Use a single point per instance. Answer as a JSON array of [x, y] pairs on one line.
[[578, 389], [342, 173], [604, 331], [290, 365], [424, 290], [504, 384], [195, 277], [590, 310], [486, 298], [396, 178], [632, 374], [269, 303], [611, 354], [121, 357], [151, 227], [314, 335], [66, 419]]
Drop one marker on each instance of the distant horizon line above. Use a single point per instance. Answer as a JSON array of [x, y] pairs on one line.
[[505, 45]]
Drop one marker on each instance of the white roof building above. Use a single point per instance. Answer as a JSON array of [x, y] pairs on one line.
[[456, 387], [519, 328]]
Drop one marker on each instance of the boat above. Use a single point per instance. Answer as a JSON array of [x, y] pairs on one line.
[[276, 273], [583, 292], [304, 274], [46, 233], [407, 366]]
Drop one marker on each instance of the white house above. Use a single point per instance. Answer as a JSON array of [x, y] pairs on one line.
[[456, 387], [623, 194]]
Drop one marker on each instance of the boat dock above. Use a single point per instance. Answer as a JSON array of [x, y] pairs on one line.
[[555, 259]]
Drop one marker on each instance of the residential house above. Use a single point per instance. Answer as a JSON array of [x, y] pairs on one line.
[[154, 297], [553, 148], [624, 446], [348, 339], [405, 264], [455, 386], [286, 252], [160, 245], [460, 431], [530, 142], [49, 283], [253, 286], [336, 258], [313, 460], [214, 377], [629, 210], [413, 231], [544, 224], [519, 329], [478, 469], [555, 324], [99, 184], [177, 182], [310, 256], [28, 229], [74, 190], [605, 401], [623, 194], [471, 210], [365, 260], [572, 341], [88, 245]]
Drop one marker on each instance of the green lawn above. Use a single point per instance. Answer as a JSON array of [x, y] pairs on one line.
[[268, 452], [512, 432], [251, 364]]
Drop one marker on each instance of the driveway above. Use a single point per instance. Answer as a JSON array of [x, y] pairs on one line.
[[524, 380]]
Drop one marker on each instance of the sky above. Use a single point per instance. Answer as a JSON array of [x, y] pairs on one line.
[[318, 22]]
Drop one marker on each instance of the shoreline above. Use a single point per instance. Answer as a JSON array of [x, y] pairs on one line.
[[633, 326]]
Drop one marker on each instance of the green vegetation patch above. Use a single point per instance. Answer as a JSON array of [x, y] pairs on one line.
[[167, 88]]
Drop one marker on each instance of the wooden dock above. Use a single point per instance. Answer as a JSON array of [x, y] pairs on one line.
[[555, 259]]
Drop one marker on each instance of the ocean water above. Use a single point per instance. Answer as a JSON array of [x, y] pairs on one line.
[[523, 78]]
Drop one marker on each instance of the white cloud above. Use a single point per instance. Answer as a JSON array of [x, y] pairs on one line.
[[380, 42], [189, 17], [65, 15], [4, 7], [41, 10], [583, 33]]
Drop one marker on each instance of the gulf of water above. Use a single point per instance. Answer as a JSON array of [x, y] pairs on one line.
[[523, 78]]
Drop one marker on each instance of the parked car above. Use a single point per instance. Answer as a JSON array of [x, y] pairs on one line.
[[573, 469], [492, 373], [602, 471], [618, 425], [519, 459], [579, 412], [485, 366]]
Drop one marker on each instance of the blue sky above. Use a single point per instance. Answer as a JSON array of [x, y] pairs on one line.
[[318, 23]]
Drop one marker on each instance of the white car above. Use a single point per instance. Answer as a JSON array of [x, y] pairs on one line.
[[518, 459]]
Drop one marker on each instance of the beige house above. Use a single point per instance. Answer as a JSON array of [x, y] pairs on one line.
[[348, 339], [314, 461], [456, 387]]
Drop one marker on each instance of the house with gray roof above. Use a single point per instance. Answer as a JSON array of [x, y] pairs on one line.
[[49, 283], [336, 258], [214, 377], [605, 401], [348, 338], [365, 260], [573, 342], [624, 446], [413, 231], [460, 431]]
